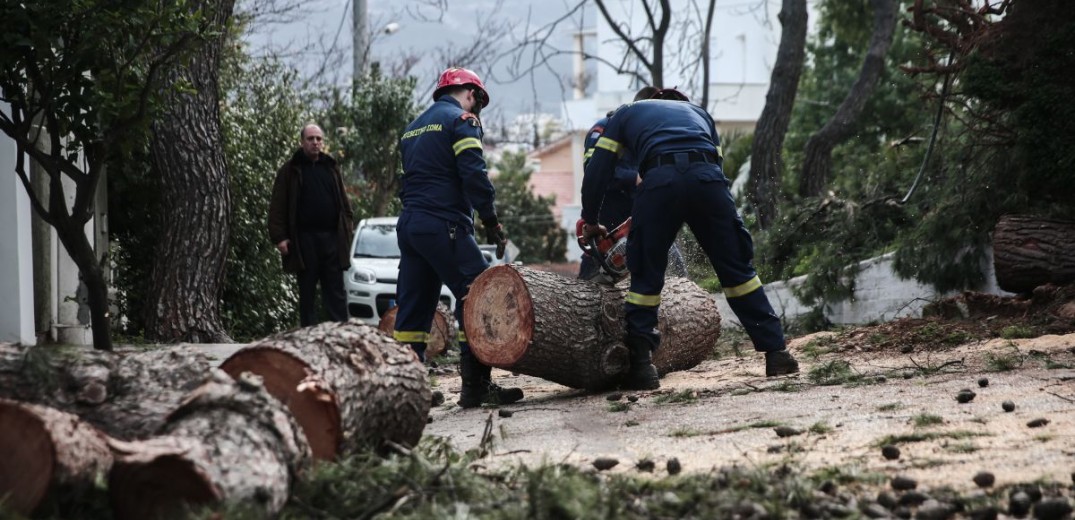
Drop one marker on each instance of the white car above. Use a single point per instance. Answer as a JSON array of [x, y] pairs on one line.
[[370, 282]]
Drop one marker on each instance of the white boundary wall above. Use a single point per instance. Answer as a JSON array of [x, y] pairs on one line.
[[880, 295]]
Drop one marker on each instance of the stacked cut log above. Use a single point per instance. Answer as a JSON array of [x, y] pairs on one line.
[[124, 395], [229, 441], [347, 384], [178, 440], [1029, 251], [441, 333], [571, 331], [48, 455]]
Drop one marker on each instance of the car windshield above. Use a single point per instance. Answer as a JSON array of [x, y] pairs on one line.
[[377, 241]]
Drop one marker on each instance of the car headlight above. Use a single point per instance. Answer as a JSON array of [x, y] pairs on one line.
[[363, 276]]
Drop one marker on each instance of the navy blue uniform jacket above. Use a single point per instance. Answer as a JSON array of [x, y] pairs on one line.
[[444, 172]]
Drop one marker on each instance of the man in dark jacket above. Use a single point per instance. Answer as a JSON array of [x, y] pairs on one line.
[[311, 224]]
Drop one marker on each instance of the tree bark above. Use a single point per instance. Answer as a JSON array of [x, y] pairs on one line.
[[571, 331], [125, 395], [1029, 251], [229, 441], [347, 385], [47, 455], [766, 158], [817, 163], [441, 334], [188, 153]]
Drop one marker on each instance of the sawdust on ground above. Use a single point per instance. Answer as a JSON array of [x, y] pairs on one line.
[[899, 385]]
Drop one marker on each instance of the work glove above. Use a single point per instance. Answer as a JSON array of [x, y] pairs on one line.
[[494, 234], [593, 231]]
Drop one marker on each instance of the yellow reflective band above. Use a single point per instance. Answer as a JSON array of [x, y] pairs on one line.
[[461, 336], [588, 154], [720, 152], [410, 336], [608, 144], [743, 289], [466, 143], [645, 300]]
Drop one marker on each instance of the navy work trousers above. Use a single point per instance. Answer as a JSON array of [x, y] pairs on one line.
[[433, 251], [696, 194]]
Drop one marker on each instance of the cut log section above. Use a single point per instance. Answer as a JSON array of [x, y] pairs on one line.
[[441, 334], [126, 395], [571, 331], [230, 442], [47, 455], [1029, 251], [347, 384]]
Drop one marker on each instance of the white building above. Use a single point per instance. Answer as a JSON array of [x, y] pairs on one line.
[[60, 299]]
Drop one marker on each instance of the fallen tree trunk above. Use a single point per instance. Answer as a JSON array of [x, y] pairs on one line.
[[48, 456], [126, 395], [441, 334], [1029, 251], [229, 442], [347, 385], [571, 331]]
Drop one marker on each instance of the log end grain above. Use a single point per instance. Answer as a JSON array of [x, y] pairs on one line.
[[152, 480], [499, 317], [28, 457], [441, 333], [316, 410]]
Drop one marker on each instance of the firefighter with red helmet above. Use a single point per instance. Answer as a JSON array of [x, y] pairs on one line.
[[444, 181], [682, 182]]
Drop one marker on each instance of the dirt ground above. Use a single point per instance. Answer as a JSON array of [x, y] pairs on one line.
[[858, 389]]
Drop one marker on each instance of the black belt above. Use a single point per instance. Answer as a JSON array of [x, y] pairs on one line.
[[670, 159]]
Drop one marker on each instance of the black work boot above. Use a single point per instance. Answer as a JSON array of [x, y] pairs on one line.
[[478, 387], [642, 375], [780, 363]]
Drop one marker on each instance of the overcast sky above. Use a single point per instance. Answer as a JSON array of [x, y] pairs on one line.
[[318, 35]]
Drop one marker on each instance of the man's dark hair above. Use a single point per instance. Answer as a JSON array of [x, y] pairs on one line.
[[452, 90], [645, 93]]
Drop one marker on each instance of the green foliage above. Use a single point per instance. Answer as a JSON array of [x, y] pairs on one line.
[[1008, 152], [926, 419], [834, 372], [261, 114], [527, 218], [82, 80], [362, 129], [1017, 332], [682, 397]]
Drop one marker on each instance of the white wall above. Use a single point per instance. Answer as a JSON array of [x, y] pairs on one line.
[[16, 253], [880, 295]]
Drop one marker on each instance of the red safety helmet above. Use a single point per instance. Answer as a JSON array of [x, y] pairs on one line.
[[670, 94], [460, 76]]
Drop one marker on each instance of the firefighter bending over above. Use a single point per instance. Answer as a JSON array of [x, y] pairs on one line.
[[682, 182]]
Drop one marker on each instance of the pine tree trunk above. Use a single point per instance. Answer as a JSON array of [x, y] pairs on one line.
[[571, 331], [817, 162], [47, 455], [188, 153], [126, 395], [347, 385], [441, 335], [229, 442], [1029, 251], [766, 159]]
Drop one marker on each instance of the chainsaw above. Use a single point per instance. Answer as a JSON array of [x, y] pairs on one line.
[[610, 251]]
